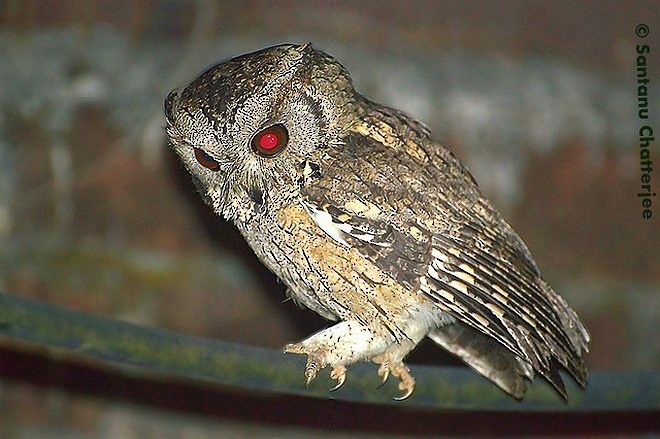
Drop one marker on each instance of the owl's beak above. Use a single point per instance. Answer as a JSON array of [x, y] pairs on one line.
[[257, 196]]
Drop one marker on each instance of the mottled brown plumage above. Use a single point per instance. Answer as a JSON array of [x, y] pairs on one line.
[[369, 222]]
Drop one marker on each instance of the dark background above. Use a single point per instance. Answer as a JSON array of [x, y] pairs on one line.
[[539, 99]]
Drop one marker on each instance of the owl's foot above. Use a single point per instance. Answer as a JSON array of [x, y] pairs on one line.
[[315, 362], [399, 370], [337, 346]]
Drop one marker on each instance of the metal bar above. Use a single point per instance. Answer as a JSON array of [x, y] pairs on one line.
[[154, 352]]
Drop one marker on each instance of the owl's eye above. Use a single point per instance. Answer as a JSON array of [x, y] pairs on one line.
[[206, 160], [270, 141]]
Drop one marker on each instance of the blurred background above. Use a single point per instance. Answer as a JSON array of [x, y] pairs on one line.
[[538, 99]]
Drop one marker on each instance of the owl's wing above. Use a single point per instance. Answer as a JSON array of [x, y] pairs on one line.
[[416, 213]]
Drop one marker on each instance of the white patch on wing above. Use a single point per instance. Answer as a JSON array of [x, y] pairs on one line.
[[364, 237], [500, 290], [437, 254], [324, 220], [424, 285], [499, 312], [464, 276], [481, 319], [466, 268], [454, 251], [460, 286], [447, 295], [433, 273], [500, 298], [338, 229], [347, 228]]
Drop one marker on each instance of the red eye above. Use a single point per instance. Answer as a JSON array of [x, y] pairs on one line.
[[270, 141], [206, 160]]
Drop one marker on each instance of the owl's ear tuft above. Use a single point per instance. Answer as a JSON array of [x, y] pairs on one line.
[[306, 46], [170, 105], [306, 49]]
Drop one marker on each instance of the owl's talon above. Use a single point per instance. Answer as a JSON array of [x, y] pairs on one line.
[[408, 391], [310, 373], [338, 373], [384, 374]]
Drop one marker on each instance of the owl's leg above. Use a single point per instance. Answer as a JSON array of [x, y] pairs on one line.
[[338, 346]]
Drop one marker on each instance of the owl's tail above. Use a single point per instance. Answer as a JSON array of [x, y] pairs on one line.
[[486, 356]]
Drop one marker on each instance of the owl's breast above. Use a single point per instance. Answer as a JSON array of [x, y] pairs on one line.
[[332, 279], [282, 240]]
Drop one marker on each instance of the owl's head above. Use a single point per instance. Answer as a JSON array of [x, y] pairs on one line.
[[245, 128]]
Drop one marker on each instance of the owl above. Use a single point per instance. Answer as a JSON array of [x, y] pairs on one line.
[[369, 222]]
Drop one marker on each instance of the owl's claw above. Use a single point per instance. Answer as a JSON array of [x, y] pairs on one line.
[[384, 374], [408, 391], [314, 362], [338, 373], [310, 372]]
